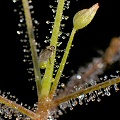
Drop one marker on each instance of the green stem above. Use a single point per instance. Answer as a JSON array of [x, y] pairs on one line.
[[46, 81], [87, 90], [62, 64], [32, 45], [18, 107]]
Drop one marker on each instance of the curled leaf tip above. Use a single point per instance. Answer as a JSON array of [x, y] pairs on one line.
[[84, 17]]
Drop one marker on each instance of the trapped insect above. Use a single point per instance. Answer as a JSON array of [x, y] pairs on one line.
[[45, 55]]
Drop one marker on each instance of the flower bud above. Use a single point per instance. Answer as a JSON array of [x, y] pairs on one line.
[[84, 17]]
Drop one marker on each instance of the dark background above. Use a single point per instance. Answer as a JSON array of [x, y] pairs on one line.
[[96, 36]]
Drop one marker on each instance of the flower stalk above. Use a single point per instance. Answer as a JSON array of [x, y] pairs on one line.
[[76, 94], [62, 64], [46, 81], [18, 107], [32, 45]]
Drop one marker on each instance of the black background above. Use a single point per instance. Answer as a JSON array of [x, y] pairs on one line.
[[96, 36]]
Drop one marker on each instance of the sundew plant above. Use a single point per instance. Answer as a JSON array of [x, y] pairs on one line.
[[60, 79]]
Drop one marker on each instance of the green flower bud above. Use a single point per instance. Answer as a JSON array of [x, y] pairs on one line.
[[84, 17]]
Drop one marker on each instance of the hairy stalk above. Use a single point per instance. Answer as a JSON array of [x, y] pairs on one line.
[[62, 64], [32, 45], [105, 84], [46, 81], [21, 109]]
